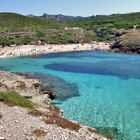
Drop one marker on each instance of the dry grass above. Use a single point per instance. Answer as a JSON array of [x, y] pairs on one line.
[[52, 117], [35, 112], [62, 123], [53, 111], [132, 37], [39, 133]]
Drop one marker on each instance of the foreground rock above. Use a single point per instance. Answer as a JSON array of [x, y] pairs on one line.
[[29, 88], [64, 89], [45, 122]]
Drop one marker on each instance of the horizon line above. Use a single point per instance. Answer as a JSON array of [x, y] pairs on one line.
[[70, 15]]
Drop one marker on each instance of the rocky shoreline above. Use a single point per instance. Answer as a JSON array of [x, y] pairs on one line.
[[117, 47], [45, 121]]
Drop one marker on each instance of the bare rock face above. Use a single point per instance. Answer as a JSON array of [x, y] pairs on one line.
[[45, 15], [3, 87], [59, 17]]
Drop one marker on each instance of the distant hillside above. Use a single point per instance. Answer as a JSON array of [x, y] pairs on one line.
[[12, 22], [58, 17], [107, 22], [54, 29], [16, 22]]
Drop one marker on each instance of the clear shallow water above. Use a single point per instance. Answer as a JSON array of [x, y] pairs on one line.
[[98, 89]]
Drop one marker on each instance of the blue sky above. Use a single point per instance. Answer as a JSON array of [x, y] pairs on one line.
[[69, 7]]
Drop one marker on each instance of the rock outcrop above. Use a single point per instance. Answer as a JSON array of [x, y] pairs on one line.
[[120, 48], [54, 17], [45, 121], [29, 88]]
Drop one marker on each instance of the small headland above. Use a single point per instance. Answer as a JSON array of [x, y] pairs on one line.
[[26, 112]]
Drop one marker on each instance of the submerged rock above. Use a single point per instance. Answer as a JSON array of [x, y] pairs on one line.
[[43, 88], [61, 89]]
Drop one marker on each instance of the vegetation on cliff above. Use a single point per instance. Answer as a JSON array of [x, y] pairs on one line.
[[18, 29], [12, 98]]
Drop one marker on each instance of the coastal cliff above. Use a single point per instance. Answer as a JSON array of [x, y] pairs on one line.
[[26, 112]]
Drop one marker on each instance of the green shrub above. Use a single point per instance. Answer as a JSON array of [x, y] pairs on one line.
[[54, 40], [90, 36], [67, 37], [5, 42], [14, 99], [18, 42], [22, 41], [40, 34], [133, 42], [26, 41]]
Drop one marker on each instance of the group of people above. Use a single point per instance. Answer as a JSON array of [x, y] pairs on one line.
[[33, 50], [14, 51]]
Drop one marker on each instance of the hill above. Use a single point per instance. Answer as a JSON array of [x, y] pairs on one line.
[[12, 22], [61, 29], [107, 22], [15, 22]]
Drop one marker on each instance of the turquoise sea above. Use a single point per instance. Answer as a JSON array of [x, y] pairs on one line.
[[96, 88]]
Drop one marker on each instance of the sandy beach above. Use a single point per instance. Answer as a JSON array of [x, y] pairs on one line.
[[40, 49]]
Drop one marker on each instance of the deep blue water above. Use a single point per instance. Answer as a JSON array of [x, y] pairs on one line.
[[98, 89]]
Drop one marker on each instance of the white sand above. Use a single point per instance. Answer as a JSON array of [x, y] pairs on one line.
[[40, 49]]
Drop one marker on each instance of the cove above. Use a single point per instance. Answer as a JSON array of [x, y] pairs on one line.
[[98, 89]]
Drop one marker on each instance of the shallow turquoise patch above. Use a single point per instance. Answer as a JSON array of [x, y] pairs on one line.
[[108, 87]]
